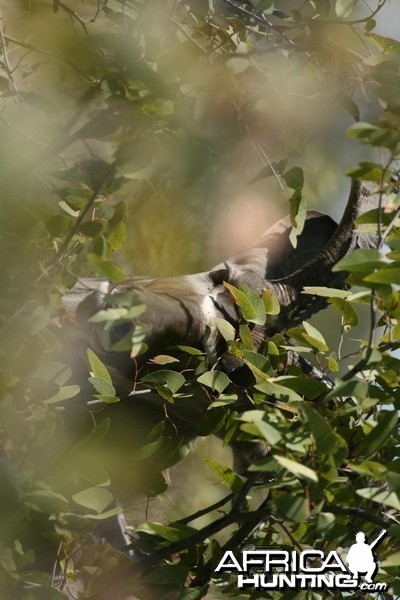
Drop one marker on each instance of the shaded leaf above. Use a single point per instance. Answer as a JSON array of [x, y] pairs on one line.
[[173, 380], [226, 475], [294, 178], [346, 310], [175, 575], [348, 104], [94, 498], [377, 437], [64, 393]]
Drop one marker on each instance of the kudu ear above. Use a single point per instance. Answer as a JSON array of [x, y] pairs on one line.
[[283, 257]]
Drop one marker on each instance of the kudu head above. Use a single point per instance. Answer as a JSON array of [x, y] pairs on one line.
[[183, 310]]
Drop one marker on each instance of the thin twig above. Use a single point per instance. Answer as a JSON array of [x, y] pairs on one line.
[[145, 564], [359, 512], [28, 46], [236, 541], [81, 216], [206, 511], [277, 29], [7, 64]]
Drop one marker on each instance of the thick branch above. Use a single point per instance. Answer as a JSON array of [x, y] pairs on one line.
[[318, 272]]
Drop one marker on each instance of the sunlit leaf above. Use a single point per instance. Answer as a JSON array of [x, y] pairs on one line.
[[216, 380], [296, 468]]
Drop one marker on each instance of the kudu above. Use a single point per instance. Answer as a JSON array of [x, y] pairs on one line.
[[183, 310]]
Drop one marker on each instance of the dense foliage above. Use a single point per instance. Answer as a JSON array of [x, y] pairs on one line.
[[161, 106]]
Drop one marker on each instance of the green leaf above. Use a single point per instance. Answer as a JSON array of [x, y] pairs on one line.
[[310, 388], [107, 399], [226, 329], [117, 236], [361, 130], [46, 501], [280, 392], [369, 468], [376, 438], [104, 515], [366, 171], [358, 389], [106, 268], [171, 575], [226, 475], [98, 368], [102, 386], [346, 310], [290, 508], [118, 314], [381, 496], [216, 380], [246, 337], [94, 498], [315, 337], [149, 449], [325, 292], [343, 8], [163, 359], [256, 302], [298, 470], [190, 350], [58, 225], [370, 25], [223, 400], [348, 104], [393, 560], [171, 379], [138, 335], [268, 171], [326, 439], [374, 216], [390, 275], [64, 393], [260, 362], [360, 260], [294, 178], [91, 228], [178, 452], [266, 430], [271, 304], [248, 311]]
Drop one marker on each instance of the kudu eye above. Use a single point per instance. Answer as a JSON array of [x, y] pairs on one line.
[[220, 275]]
